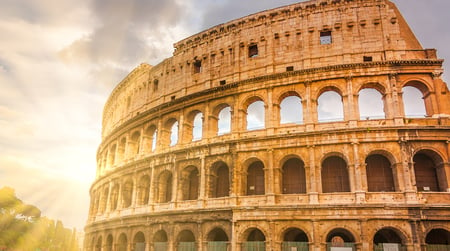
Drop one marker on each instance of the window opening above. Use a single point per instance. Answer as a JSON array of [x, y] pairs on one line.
[[197, 66], [291, 110], [325, 37], [197, 128], [224, 123], [253, 51], [155, 85], [413, 102], [371, 104], [330, 107], [174, 134], [367, 58], [255, 116], [290, 68]]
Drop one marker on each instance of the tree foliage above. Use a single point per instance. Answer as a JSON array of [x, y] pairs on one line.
[[22, 227]]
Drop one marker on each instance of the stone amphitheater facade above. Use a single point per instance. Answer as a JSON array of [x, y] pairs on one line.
[[226, 145]]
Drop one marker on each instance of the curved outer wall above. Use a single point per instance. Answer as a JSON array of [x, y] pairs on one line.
[[364, 181]]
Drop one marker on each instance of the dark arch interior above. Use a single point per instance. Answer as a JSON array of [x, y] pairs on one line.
[[386, 236], [438, 237], [160, 236], [340, 232], [139, 237], [256, 235], [217, 235], [186, 236], [295, 235]]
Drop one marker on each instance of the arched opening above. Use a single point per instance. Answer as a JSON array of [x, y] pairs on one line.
[[197, 129], [112, 156], [109, 243], [224, 121], [134, 144], [294, 178], [165, 187], [127, 194], [123, 243], [413, 102], [255, 179], [217, 240], [330, 107], [388, 239], [379, 174], [190, 183], [255, 241], [186, 241], [340, 238], [98, 246], [291, 111], [438, 239], [121, 149], [174, 134], [220, 180], [103, 201], [160, 241], [371, 105], [335, 175], [139, 242], [150, 139], [425, 171], [144, 190], [114, 197], [295, 239], [255, 115]]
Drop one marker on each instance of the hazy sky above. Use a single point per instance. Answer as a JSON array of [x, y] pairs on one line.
[[59, 60]]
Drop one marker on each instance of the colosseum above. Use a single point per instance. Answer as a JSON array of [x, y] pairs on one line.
[[320, 126]]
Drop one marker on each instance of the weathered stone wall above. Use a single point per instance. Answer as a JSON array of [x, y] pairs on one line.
[[232, 186]]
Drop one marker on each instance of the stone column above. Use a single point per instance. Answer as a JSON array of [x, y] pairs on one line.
[[314, 174], [397, 101]]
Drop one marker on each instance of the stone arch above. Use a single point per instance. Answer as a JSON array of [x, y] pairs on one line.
[[134, 144], [371, 103], [143, 190], [222, 115], [114, 197], [164, 187], [438, 236], [121, 149], [255, 110], [255, 178], [294, 239], [99, 244], [373, 85], [160, 240], [293, 176], [186, 240], [109, 243], [150, 138], [253, 239], [122, 242], [219, 180], [139, 242], [429, 171], [217, 234], [338, 237], [294, 114], [170, 130], [112, 155], [389, 235], [335, 174], [330, 106], [127, 193], [380, 174], [194, 126], [190, 183], [103, 200], [414, 104]]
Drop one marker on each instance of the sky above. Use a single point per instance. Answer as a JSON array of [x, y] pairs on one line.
[[59, 61]]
